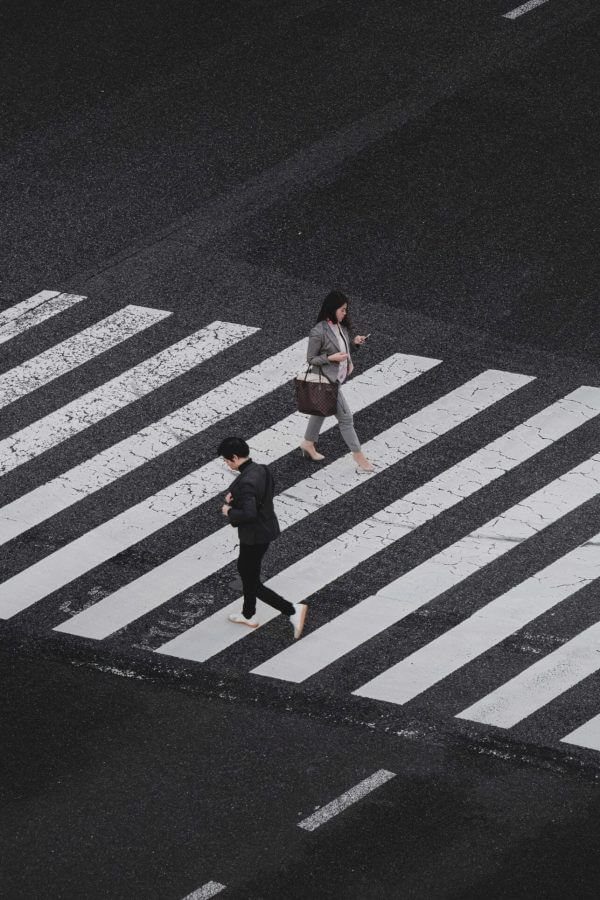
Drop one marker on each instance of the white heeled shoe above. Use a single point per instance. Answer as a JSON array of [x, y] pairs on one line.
[[364, 466], [307, 449]]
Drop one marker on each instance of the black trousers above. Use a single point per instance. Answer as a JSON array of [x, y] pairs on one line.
[[248, 565]]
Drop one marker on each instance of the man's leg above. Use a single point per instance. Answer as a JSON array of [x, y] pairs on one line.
[[248, 565], [296, 612]]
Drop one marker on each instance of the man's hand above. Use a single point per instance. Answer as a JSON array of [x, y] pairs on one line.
[[225, 509], [228, 497]]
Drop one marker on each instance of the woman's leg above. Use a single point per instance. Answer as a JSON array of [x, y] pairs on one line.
[[346, 422], [313, 428]]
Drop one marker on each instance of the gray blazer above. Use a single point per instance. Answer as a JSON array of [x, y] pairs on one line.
[[321, 344]]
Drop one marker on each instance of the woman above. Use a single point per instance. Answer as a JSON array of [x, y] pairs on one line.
[[329, 349]]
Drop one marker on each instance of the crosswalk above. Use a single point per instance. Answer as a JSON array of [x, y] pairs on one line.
[[133, 607]]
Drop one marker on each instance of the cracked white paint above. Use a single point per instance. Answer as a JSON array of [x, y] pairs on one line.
[[130, 602], [177, 499], [113, 395], [341, 555], [560, 670], [420, 585], [498, 619], [75, 351], [214, 634], [148, 443], [22, 316]]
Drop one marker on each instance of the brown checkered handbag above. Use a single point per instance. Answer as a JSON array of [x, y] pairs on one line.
[[316, 394]]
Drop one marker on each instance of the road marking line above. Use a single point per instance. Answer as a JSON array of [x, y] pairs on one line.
[[25, 315], [150, 442], [495, 621], [114, 395], [75, 351], [317, 569], [525, 8], [542, 682], [346, 799], [389, 525], [587, 735], [210, 889], [125, 605]]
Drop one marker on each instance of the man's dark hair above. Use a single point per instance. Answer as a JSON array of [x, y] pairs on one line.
[[233, 446], [333, 301]]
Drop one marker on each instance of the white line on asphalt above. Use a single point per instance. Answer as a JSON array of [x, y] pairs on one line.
[[155, 439], [25, 315], [113, 395], [495, 621], [389, 525], [587, 735], [525, 8], [210, 889], [346, 799], [75, 351], [127, 604], [319, 568], [542, 682]]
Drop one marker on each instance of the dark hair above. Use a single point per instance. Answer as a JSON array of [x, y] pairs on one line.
[[233, 446], [333, 301]]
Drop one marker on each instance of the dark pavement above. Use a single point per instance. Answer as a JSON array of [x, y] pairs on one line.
[[119, 788], [233, 161]]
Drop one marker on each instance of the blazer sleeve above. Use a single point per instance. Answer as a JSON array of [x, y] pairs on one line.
[[314, 357], [245, 509]]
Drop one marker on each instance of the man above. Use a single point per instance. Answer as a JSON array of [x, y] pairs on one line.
[[249, 508]]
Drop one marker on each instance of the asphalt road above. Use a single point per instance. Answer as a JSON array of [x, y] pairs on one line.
[[441, 159], [229, 161], [114, 787]]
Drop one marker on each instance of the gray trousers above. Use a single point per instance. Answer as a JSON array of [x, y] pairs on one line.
[[345, 420]]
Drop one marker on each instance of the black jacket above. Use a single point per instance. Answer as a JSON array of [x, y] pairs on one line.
[[252, 510]]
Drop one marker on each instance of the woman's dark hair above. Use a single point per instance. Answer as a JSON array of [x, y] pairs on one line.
[[333, 301], [233, 446]]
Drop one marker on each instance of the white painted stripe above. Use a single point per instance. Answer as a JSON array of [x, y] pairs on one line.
[[25, 306], [500, 618], [316, 570], [542, 682], [118, 609], [390, 525], [152, 441], [75, 351], [417, 587], [525, 8], [103, 401], [210, 889], [587, 735], [188, 493], [25, 315], [347, 799]]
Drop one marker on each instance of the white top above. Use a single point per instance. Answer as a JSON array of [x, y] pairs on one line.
[[343, 369]]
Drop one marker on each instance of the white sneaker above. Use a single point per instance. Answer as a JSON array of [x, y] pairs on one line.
[[297, 619], [242, 620]]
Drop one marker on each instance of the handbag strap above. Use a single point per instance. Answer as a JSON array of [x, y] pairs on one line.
[[321, 373]]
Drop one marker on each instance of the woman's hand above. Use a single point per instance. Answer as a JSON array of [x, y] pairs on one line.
[[228, 497], [359, 339], [337, 357], [225, 509]]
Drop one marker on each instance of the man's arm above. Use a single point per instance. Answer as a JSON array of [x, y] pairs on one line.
[[246, 509]]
